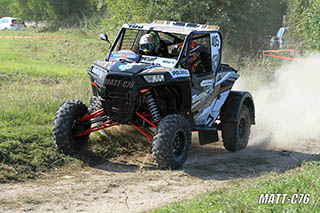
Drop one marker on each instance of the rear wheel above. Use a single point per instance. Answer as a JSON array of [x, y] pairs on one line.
[[236, 134], [67, 126], [172, 142]]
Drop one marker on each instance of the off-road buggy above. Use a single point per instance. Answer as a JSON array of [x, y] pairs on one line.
[[164, 98]]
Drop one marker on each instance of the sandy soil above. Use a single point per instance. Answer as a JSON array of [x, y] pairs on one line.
[[134, 184]]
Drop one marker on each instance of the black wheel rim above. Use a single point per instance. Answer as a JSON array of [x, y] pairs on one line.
[[78, 126], [242, 128], [179, 144]]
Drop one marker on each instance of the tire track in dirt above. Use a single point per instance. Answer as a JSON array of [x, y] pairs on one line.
[[134, 184]]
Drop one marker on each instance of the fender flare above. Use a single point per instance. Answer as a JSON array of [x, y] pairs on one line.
[[231, 109]]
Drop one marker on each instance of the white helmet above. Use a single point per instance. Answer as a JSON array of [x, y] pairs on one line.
[[149, 44]]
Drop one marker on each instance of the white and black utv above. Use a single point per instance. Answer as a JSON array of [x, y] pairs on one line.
[[164, 97]]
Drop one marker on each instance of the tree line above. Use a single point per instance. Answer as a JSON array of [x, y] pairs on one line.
[[59, 13], [304, 24], [246, 25]]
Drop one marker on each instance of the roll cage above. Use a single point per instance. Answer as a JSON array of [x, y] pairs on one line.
[[189, 36]]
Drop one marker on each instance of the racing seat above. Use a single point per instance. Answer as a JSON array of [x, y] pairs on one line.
[[205, 60], [164, 49]]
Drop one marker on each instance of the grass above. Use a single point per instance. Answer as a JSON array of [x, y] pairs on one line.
[[54, 57], [243, 195], [36, 76]]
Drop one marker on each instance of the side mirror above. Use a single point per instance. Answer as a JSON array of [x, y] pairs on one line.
[[104, 37]]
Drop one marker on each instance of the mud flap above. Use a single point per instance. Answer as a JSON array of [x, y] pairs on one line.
[[208, 136]]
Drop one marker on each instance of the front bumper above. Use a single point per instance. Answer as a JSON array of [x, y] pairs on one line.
[[119, 98]]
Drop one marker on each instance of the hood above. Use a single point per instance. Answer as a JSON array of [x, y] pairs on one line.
[[132, 68]]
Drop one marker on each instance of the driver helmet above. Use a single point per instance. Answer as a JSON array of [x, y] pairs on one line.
[[149, 44]]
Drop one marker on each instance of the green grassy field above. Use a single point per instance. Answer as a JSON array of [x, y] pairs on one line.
[[36, 76], [244, 194]]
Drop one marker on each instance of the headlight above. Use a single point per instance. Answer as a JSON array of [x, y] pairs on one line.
[[98, 72], [154, 78]]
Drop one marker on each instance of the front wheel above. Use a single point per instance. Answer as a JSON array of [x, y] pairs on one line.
[[172, 142], [236, 134], [66, 127]]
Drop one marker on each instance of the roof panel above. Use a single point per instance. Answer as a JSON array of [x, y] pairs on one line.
[[172, 27]]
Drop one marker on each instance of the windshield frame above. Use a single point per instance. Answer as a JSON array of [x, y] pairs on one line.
[[121, 35]]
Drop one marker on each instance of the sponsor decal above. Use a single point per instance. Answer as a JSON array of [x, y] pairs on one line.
[[206, 83], [156, 69], [164, 62], [108, 65], [116, 55], [119, 55], [124, 54], [149, 59], [172, 30], [179, 73], [215, 50], [216, 41], [135, 26], [119, 83], [168, 62], [125, 67], [201, 97]]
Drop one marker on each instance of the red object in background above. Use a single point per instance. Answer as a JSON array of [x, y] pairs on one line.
[[14, 37], [269, 53]]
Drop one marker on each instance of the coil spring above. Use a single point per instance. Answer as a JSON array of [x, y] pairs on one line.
[[153, 108], [95, 104]]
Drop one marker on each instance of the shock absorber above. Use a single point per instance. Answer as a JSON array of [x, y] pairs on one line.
[[153, 108], [95, 104]]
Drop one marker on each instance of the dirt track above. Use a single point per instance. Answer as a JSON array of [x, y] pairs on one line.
[[133, 184]]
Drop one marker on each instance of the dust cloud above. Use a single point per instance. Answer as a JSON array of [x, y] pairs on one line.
[[288, 106]]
